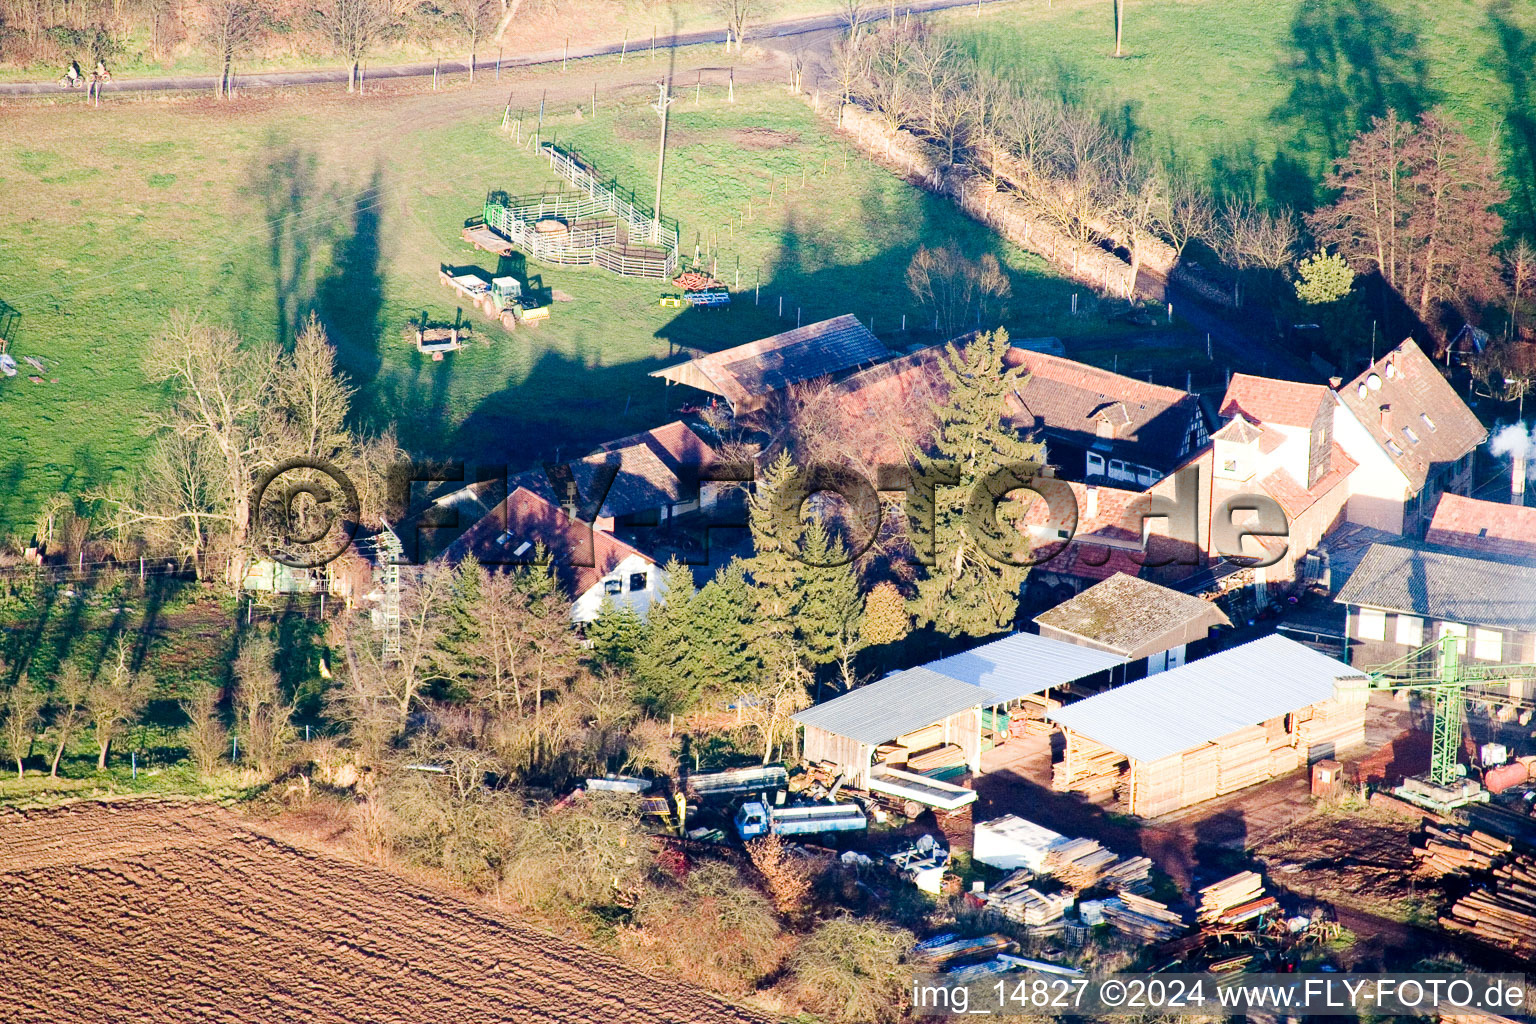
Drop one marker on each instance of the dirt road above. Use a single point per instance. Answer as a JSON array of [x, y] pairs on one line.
[[782, 28], [150, 912]]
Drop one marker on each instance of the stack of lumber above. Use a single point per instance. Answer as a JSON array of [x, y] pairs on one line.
[[693, 281], [1079, 863], [1030, 906], [1330, 725], [946, 756], [946, 951], [1452, 848], [1201, 770], [1130, 874], [1028, 718], [1221, 899], [1243, 760], [1143, 919], [1088, 768], [1157, 787]]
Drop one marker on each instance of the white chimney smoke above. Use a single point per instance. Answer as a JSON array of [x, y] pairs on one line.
[[1520, 445]]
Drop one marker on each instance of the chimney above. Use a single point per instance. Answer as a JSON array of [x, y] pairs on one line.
[[1091, 500], [1517, 477]]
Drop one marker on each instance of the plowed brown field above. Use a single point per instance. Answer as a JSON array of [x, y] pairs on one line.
[[150, 912]]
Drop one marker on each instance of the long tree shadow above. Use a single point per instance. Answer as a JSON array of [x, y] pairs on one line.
[[350, 298], [1349, 61], [296, 212], [1513, 57]]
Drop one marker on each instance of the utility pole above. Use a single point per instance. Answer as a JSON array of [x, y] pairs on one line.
[[1119, 19], [661, 106]]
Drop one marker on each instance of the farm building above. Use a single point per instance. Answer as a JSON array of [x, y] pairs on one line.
[[1150, 626], [1211, 727], [1484, 529], [748, 375], [642, 480], [589, 563], [943, 713], [1101, 427], [1400, 598]]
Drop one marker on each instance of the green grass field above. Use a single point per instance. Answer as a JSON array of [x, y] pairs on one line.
[[1259, 94], [258, 212]]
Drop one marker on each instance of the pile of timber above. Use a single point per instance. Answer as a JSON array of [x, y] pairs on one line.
[[945, 756], [945, 951], [1518, 828], [1157, 787], [1504, 914], [1029, 906], [1233, 900], [1090, 769], [1029, 717], [1243, 760], [1143, 919], [1332, 724], [1447, 849], [1083, 863]]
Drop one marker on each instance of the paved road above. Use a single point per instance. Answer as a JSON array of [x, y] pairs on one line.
[[783, 28]]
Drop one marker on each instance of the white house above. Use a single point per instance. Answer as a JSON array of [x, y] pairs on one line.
[[589, 563]]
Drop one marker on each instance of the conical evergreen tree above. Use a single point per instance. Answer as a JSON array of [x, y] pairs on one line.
[[966, 591]]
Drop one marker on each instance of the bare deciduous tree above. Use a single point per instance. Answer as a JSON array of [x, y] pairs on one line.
[[70, 690], [116, 699], [231, 26], [263, 713], [23, 719], [1185, 214], [738, 15], [475, 17], [353, 26], [207, 738], [962, 293]]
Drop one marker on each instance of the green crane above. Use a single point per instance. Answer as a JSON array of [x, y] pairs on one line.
[[1438, 668]]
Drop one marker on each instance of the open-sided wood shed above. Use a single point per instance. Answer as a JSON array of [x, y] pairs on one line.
[[913, 710]]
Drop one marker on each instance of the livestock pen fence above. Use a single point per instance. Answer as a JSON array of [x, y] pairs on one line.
[[597, 223]]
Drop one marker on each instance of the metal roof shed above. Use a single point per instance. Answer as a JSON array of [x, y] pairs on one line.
[[1212, 726], [1208, 699], [846, 729], [1023, 664]]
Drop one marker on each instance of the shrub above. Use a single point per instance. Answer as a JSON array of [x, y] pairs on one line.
[[850, 971]]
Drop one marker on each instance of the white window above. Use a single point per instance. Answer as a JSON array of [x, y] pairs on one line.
[[1370, 624], [1452, 629], [1410, 630], [1488, 645], [613, 586], [1095, 463]]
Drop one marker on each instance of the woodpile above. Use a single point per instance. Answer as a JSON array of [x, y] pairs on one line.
[[1143, 919], [1156, 787], [1243, 760], [946, 756], [1503, 915], [1453, 848], [945, 951], [1329, 726], [1078, 862], [1218, 901], [1088, 768], [691, 280], [1028, 718], [1029, 906]]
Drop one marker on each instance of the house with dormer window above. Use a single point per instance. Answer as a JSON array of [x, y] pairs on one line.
[[1101, 427]]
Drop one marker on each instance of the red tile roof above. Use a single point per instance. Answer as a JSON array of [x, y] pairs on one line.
[[1105, 516], [1296, 499], [1264, 400], [582, 556], [1484, 527]]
